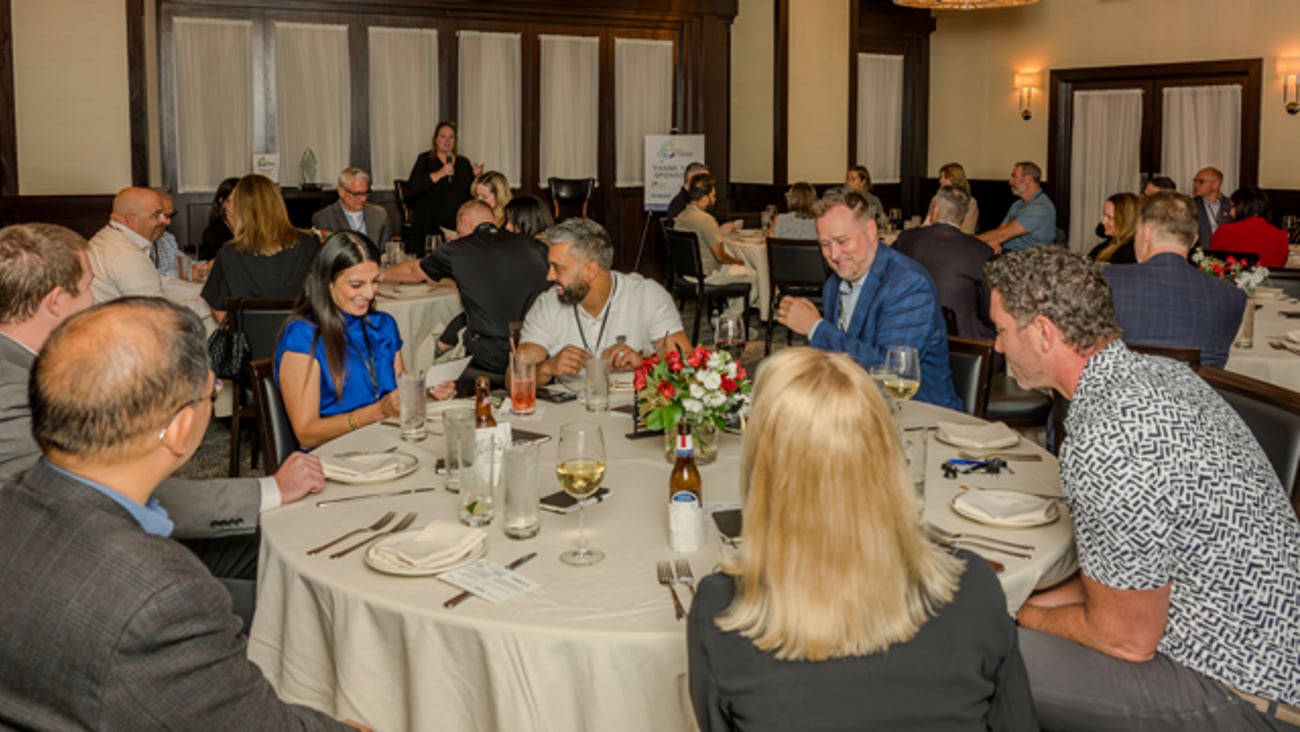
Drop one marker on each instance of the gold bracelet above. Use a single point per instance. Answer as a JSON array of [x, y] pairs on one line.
[[352, 421]]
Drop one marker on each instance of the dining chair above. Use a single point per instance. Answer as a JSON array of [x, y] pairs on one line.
[[402, 190], [950, 320], [688, 278], [797, 268], [274, 429], [1272, 413], [1287, 279], [260, 319], [971, 360], [571, 191]]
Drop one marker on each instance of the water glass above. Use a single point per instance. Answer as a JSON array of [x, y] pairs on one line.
[[410, 395], [458, 427], [596, 385], [393, 253], [431, 243], [523, 383], [522, 491], [730, 336], [915, 445], [476, 505]]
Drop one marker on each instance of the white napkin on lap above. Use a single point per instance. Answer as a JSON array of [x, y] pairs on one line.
[[361, 467], [989, 436], [1005, 507], [439, 543]]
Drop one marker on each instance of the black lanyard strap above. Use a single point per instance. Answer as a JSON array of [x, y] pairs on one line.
[[604, 321]]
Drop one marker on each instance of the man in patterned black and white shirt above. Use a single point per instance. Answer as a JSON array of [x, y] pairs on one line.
[[1186, 611]]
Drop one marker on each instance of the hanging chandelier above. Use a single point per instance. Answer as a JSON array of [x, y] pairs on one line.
[[962, 4]]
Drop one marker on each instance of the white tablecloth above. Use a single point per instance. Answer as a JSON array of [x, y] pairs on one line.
[[593, 648], [421, 318], [750, 246], [1262, 361]]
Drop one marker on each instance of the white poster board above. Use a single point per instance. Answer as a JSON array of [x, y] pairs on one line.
[[267, 164], [666, 158]]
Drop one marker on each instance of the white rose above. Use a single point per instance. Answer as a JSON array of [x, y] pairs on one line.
[[711, 380], [693, 406]]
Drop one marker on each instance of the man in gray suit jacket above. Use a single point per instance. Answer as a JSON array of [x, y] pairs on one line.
[[353, 212], [44, 279], [109, 624]]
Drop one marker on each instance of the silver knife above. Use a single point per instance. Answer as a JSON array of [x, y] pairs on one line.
[[462, 597], [368, 496]]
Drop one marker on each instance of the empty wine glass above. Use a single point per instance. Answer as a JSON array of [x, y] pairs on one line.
[[580, 468], [730, 335], [902, 384]]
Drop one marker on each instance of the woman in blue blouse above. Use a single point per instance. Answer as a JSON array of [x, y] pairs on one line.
[[338, 358]]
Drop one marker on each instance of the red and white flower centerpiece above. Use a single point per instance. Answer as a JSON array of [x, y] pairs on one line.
[[701, 388]]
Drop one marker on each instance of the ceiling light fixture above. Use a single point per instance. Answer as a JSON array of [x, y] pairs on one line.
[[962, 4]]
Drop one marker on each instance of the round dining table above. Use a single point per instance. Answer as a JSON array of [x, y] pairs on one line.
[[591, 648], [1263, 360], [422, 311]]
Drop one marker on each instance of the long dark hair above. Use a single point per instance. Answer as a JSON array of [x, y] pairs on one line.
[[341, 251], [529, 215], [219, 199]]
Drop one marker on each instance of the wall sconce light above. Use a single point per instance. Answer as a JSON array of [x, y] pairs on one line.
[[1288, 69], [1026, 83]]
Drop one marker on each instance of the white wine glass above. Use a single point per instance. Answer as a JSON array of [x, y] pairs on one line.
[[580, 468], [880, 373], [902, 384], [730, 336]]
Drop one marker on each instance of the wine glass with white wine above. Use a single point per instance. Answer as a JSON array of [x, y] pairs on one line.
[[580, 467], [904, 379]]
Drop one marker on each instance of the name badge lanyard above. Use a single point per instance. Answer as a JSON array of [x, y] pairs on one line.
[[600, 336]]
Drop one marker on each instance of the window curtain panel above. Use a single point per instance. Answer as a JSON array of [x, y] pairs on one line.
[[1202, 129], [1105, 157], [314, 100], [570, 104], [490, 81], [403, 100], [643, 103], [213, 98], [880, 115]]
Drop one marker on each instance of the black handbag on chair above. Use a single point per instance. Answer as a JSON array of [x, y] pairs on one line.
[[228, 349]]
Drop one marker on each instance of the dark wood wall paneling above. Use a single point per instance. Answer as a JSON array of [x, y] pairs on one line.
[[875, 26], [700, 30], [1152, 79]]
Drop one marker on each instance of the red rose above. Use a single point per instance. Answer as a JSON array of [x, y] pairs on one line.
[[694, 360], [740, 371], [653, 360], [728, 386], [1232, 260], [638, 381], [667, 390], [674, 362]]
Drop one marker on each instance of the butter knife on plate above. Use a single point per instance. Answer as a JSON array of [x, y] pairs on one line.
[[462, 597]]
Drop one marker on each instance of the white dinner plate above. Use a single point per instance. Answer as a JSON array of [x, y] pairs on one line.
[[1051, 515], [433, 411], [408, 465], [379, 564]]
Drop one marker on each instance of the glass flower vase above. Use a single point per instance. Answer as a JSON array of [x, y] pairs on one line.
[[703, 436]]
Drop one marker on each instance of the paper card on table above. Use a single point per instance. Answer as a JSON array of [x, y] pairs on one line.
[[449, 371], [490, 581]]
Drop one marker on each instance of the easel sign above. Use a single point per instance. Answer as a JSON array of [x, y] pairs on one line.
[[666, 158]]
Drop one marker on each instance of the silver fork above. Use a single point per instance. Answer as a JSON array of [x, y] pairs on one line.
[[376, 526], [406, 521], [684, 575], [666, 579]]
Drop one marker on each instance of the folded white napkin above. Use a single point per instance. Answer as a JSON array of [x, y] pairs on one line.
[[361, 467], [1293, 336], [989, 436], [1005, 507], [437, 544]]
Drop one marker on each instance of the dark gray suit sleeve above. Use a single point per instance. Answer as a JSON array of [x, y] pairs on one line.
[[381, 225], [202, 509], [18, 450], [180, 664]]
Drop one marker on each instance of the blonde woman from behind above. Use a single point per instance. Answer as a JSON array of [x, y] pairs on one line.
[[838, 612]]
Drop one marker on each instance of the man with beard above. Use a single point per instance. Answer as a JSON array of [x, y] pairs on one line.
[[593, 311], [1031, 220], [720, 266]]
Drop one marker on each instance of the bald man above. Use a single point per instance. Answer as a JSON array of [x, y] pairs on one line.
[[119, 254], [112, 625]]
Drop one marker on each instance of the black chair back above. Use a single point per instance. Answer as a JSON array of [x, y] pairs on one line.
[[1190, 355], [273, 426], [571, 191], [970, 360], [684, 257], [795, 267], [260, 319], [1272, 414], [950, 320], [1287, 279]]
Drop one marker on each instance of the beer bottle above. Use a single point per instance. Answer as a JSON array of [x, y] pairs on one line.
[[483, 403], [685, 477]]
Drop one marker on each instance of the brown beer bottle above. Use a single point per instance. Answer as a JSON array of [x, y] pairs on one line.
[[685, 477], [483, 403]]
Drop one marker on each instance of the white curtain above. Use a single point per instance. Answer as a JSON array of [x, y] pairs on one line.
[[490, 100], [880, 115], [403, 99], [570, 81], [1202, 129], [213, 91], [314, 99], [1105, 157], [643, 103]]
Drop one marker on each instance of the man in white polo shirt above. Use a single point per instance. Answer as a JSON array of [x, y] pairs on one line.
[[594, 311]]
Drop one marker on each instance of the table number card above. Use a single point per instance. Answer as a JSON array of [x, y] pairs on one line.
[[489, 580]]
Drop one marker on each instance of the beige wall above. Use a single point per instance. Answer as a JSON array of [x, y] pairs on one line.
[[818, 142], [973, 110], [752, 71], [71, 96]]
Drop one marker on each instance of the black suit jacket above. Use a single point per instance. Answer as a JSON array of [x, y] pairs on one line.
[[107, 627], [955, 262]]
